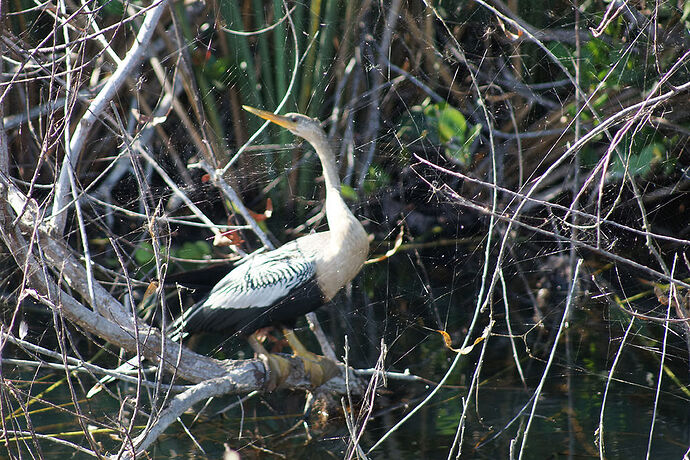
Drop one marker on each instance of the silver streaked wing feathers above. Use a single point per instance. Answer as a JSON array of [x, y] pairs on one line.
[[263, 280]]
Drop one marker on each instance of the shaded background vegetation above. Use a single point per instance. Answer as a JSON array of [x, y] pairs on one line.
[[506, 140]]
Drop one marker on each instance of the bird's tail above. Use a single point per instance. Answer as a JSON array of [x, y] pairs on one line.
[[178, 330]]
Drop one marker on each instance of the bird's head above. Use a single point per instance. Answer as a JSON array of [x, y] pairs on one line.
[[298, 124]]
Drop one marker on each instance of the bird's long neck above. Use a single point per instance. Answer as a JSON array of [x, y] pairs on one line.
[[348, 243], [341, 222], [330, 172]]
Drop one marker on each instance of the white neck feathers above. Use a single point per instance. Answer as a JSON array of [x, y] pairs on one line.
[[349, 244]]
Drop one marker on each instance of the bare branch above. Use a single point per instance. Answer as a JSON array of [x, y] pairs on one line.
[[99, 104]]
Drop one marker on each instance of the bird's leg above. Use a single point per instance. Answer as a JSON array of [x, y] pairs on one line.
[[277, 366], [263, 335], [319, 368]]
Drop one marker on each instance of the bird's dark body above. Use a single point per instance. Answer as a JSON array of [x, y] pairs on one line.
[[243, 321], [273, 288]]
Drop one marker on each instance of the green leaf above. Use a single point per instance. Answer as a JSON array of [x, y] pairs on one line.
[[476, 129], [112, 7], [144, 253], [641, 163], [461, 152], [348, 192], [377, 178], [451, 124], [657, 151], [194, 250]]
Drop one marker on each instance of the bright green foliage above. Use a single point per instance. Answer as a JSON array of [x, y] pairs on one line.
[[191, 250], [640, 162], [451, 123], [646, 152], [600, 62], [348, 192], [215, 69], [440, 123], [194, 250], [144, 253]]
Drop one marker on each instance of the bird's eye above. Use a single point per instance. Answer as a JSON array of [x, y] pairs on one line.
[[293, 119]]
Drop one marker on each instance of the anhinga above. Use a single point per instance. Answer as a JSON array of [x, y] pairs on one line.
[[279, 286]]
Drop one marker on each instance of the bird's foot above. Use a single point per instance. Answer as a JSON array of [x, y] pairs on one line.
[[318, 368], [278, 369]]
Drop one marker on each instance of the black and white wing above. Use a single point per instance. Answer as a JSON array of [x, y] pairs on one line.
[[275, 287]]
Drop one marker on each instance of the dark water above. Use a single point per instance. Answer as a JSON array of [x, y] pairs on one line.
[[564, 426]]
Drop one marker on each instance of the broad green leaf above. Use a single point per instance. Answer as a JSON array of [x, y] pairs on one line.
[[476, 129], [639, 164], [451, 124], [112, 7], [195, 250], [461, 152], [144, 253]]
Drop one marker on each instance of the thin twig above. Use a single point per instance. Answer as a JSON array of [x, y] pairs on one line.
[[561, 327], [600, 430], [672, 297]]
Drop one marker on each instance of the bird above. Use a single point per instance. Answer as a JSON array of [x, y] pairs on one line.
[[277, 287]]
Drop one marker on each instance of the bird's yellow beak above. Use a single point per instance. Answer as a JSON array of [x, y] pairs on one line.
[[279, 120]]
